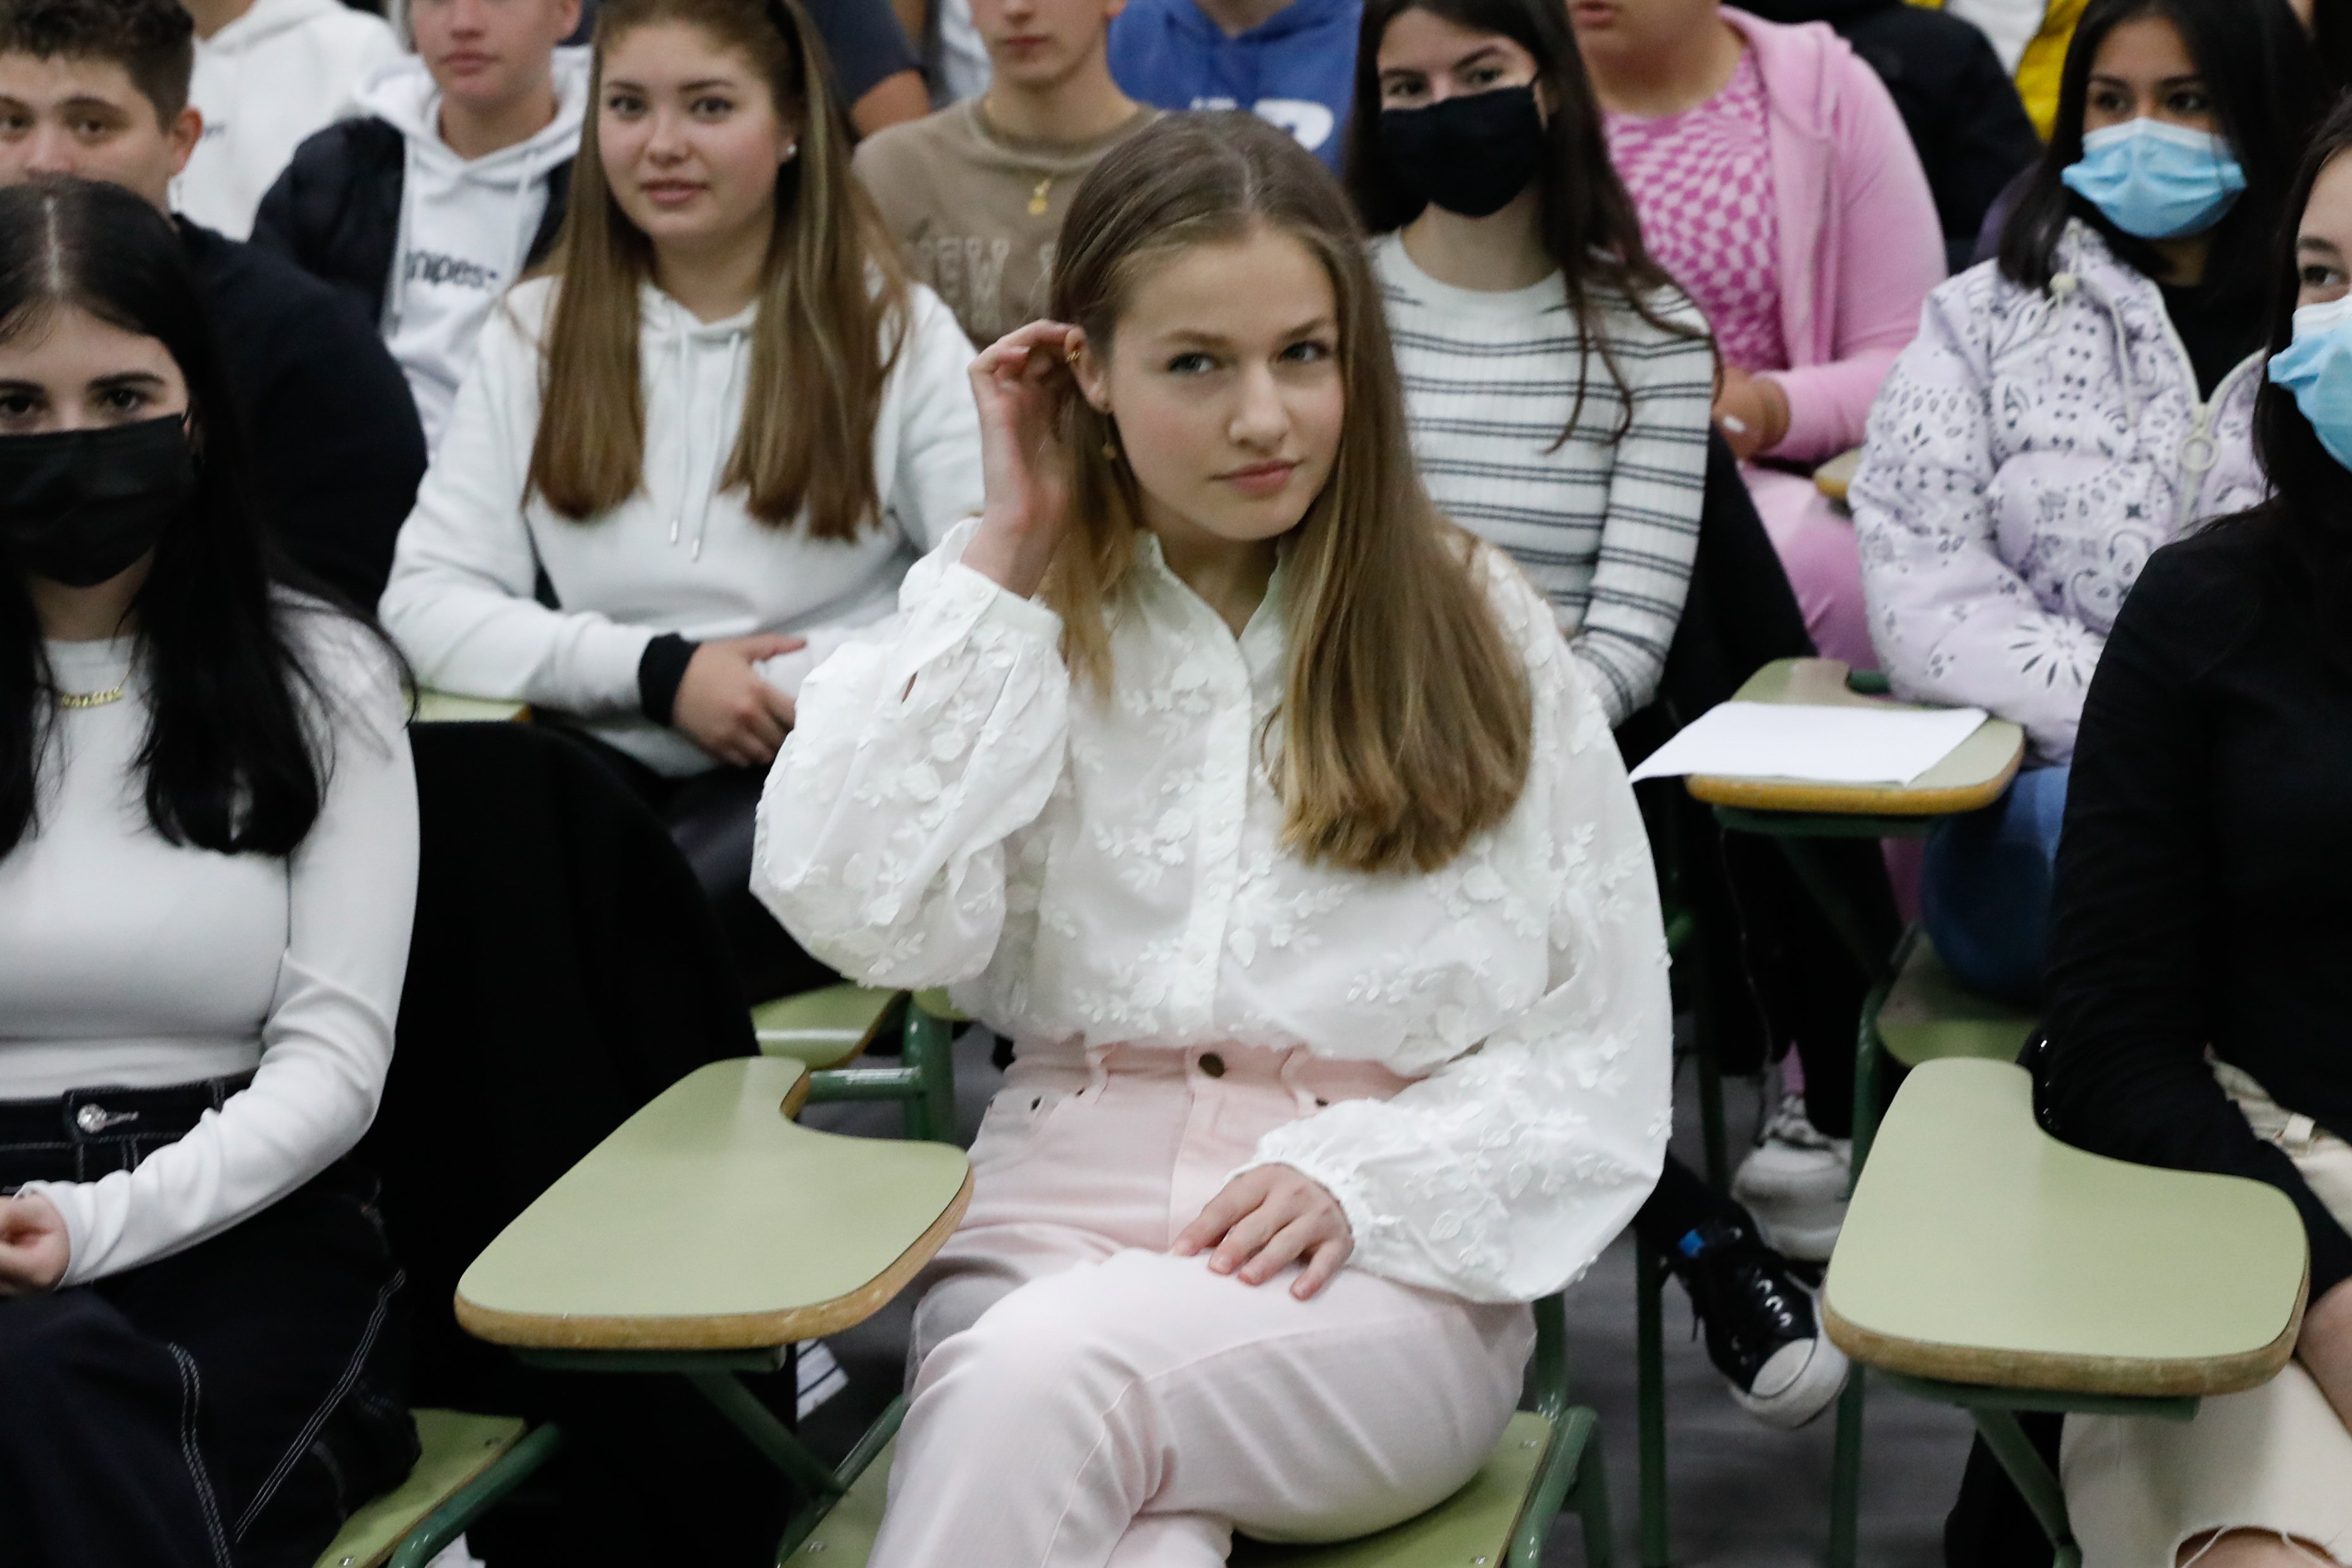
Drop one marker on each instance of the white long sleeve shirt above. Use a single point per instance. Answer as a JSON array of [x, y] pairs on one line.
[[680, 555], [949, 810], [126, 960]]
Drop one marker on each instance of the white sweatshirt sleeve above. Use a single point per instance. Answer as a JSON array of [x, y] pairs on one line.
[[1503, 1175], [326, 1043], [938, 481], [460, 602]]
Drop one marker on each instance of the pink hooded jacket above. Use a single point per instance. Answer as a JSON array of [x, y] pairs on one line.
[[1861, 244]]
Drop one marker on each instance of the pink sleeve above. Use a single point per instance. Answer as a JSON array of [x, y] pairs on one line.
[[1889, 249]]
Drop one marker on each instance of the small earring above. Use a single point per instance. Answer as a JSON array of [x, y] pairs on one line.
[[1110, 451], [792, 150]]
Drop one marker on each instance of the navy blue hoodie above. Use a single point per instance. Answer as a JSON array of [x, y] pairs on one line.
[[1296, 69]]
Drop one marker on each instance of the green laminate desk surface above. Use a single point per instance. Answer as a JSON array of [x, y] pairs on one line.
[[447, 708], [1835, 478], [1972, 776], [825, 1027], [1980, 1249], [710, 1221]]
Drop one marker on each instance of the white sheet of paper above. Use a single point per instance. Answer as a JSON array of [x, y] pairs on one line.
[[1820, 745]]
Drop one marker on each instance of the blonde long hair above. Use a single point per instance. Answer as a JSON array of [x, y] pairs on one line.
[[818, 360], [1406, 718]]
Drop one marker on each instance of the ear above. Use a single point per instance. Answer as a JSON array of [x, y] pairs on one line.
[[1091, 370], [187, 129], [567, 15]]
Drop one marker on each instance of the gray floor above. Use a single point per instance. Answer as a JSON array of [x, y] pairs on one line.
[[1743, 1496]]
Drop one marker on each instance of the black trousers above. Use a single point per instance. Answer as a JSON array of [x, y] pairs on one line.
[[712, 818], [226, 1406]]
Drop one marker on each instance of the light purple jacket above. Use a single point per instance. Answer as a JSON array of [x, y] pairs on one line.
[[2028, 454], [1860, 241]]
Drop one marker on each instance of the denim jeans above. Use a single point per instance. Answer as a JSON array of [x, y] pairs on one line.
[[1985, 888]]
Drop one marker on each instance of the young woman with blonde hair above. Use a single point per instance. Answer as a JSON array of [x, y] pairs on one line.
[[1272, 819], [604, 533]]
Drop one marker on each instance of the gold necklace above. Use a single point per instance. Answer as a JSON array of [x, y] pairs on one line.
[[90, 699], [1037, 203]]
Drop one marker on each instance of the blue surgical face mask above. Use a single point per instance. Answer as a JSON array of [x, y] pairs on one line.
[[2317, 368], [2154, 180]]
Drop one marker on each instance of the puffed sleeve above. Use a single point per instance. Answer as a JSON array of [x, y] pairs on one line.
[[918, 750], [326, 1044], [1500, 1176], [1952, 620]]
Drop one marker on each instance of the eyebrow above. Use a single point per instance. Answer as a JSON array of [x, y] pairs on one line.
[[139, 378], [2314, 245], [2183, 80], [1218, 340]]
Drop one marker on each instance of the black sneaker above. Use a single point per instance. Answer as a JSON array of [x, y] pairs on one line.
[[1762, 1332]]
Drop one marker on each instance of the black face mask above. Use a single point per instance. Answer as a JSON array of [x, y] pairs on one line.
[[1469, 155], [79, 507]]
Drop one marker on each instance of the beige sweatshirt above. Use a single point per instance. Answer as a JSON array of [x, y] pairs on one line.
[[976, 214]]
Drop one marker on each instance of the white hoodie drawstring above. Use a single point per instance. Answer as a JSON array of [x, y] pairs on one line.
[[702, 496]]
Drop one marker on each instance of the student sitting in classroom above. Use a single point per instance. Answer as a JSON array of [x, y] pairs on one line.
[[976, 192], [431, 202], [208, 848], [604, 534], [1271, 818], [268, 74], [1966, 122], [2071, 407], [99, 88], [1558, 386], [1776, 183], [1290, 62], [2200, 966]]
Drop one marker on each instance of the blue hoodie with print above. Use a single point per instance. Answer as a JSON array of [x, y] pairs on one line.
[[1296, 69]]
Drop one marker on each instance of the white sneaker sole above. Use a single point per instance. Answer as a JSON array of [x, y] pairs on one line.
[[1812, 1389], [1809, 1234]]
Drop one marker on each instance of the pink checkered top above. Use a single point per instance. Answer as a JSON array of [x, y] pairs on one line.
[[1702, 180]]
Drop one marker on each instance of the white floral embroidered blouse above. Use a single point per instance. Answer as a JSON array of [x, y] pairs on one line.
[[949, 810]]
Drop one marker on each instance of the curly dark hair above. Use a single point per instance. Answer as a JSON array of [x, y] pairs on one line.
[[152, 41]]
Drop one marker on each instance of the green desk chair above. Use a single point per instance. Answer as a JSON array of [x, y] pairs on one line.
[[1987, 1265], [705, 1237], [829, 1029], [1548, 1462], [469, 1463]]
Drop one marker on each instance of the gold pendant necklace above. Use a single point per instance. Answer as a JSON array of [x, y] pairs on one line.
[[90, 699], [1037, 197]]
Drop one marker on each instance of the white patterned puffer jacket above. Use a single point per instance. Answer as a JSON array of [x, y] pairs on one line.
[[2027, 454]]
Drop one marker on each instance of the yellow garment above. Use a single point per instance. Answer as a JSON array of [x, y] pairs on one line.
[[2045, 59]]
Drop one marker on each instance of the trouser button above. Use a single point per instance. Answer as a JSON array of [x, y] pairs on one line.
[[1212, 1064]]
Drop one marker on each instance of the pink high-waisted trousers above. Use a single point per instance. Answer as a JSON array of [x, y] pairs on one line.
[[1085, 1399]]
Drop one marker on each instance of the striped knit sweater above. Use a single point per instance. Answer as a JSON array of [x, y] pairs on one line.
[[1604, 526]]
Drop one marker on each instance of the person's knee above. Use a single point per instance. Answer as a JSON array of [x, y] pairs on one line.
[[2251, 1549]]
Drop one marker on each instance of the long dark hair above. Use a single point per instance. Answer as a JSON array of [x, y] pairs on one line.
[[1590, 229], [230, 763], [2256, 61], [2309, 517]]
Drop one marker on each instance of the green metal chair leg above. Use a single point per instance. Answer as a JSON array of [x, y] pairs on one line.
[[1845, 1473], [481, 1494], [1710, 1112], [1588, 1494], [929, 1054], [1650, 1359]]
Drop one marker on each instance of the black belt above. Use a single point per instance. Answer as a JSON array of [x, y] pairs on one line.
[[86, 1133]]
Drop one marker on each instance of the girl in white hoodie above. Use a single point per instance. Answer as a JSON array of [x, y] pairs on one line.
[[603, 534]]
